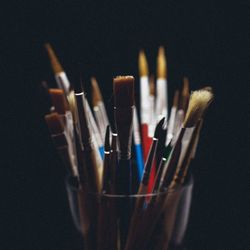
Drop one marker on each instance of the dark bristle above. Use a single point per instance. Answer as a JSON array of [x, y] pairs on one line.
[[107, 143], [59, 101], [123, 87], [54, 123], [159, 128]]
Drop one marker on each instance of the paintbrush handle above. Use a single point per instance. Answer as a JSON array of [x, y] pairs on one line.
[[139, 160], [124, 177]]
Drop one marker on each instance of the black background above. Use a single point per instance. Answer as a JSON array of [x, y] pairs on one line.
[[205, 40]]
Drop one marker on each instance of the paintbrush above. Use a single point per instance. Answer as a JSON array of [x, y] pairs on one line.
[[144, 103], [199, 100], [60, 76], [143, 188], [197, 105], [123, 88], [114, 162], [99, 108], [151, 100], [182, 107], [171, 123], [61, 141], [161, 86], [184, 95], [183, 168], [138, 146], [106, 164]]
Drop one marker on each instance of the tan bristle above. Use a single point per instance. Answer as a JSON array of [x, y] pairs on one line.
[[55, 64], [208, 88], [143, 64], [176, 99], [54, 123], [161, 64], [185, 89], [198, 103], [96, 93], [151, 86], [58, 100], [123, 87]]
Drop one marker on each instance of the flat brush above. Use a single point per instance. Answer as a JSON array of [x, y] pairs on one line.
[[60, 76], [161, 86], [199, 100], [99, 108], [123, 88], [123, 110], [45, 97], [61, 141]]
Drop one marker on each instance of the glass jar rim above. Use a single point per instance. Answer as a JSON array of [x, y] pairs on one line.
[[148, 195]]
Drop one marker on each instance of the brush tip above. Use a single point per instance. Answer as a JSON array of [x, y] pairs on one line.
[[58, 100], [151, 85], [143, 64], [198, 103], [185, 90], [96, 93], [159, 128], [161, 63], [54, 123], [176, 98], [123, 87], [55, 64]]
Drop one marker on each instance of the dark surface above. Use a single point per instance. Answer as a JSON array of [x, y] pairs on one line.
[[207, 41]]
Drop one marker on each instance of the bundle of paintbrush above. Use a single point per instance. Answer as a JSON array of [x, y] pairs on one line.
[[112, 210]]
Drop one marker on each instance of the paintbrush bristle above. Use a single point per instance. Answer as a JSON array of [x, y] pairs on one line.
[[151, 85], [161, 64], [159, 128], [54, 123], [143, 64], [96, 93], [176, 99], [198, 103], [55, 64], [185, 89], [107, 140], [58, 100], [123, 87]]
